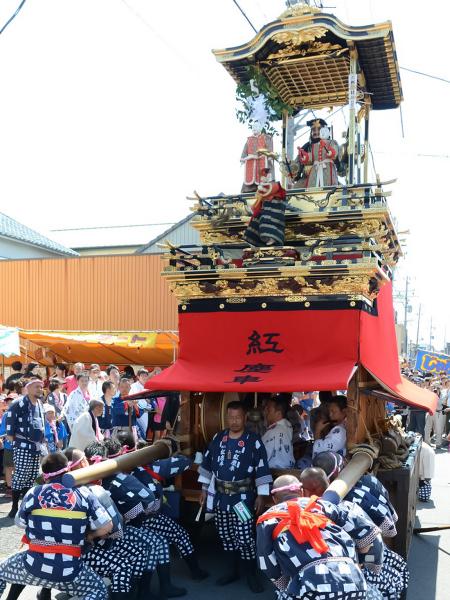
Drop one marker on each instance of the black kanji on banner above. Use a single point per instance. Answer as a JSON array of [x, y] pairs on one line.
[[259, 345], [245, 379], [258, 368]]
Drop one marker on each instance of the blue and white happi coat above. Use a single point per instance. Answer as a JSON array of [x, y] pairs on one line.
[[230, 459], [26, 424], [53, 515], [297, 569], [370, 494]]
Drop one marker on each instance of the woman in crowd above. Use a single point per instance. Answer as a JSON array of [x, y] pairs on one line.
[[336, 437], [105, 419], [56, 397]]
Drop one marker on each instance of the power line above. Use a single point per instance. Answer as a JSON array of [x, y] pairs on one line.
[[425, 74], [245, 16], [18, 9], [403, 68], [112, 227], [157, 34]]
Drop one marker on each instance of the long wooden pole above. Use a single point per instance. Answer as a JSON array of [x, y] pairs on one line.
[[126, 462], [340, 487]]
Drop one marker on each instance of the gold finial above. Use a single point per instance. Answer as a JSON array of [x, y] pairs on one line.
[[299, 9]]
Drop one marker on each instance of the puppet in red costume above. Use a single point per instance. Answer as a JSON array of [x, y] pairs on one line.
[[256, 164], [320, 154]]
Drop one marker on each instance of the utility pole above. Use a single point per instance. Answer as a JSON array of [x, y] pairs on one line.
[[404, 297], [431, 333], [418, 327], [406, 305]]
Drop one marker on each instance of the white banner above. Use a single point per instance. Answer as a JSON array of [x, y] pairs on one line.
[[352, 87], [9, 342]]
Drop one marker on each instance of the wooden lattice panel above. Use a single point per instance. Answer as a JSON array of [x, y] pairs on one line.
[[311, 81]]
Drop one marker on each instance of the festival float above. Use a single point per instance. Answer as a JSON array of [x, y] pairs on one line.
[[291, 287]]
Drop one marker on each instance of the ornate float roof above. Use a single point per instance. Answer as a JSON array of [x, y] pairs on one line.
[[305, 56]]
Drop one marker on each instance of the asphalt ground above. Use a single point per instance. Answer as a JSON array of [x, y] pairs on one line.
[[429, 558]]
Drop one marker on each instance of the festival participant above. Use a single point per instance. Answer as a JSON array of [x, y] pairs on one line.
[[78, 400], [60, 372], [123, 555], [16, 374], [135, 502], [157, 521], [86, 428], [56, 520], [363, 531], [113, 374], [304, 549], [121, 409], [71, 381], [8, 461], [95, 383], [426, 472], [370, 494], [129, 373], [139, 385], [336, 438], [25, 428], [56, 397], [278, 436], [32, 371], [55, 432], [235, 468], [105, 419]]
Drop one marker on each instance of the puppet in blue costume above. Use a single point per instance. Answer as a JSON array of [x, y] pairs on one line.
[[235, 475]]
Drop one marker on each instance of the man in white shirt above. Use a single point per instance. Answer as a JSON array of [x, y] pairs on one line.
[[139, 385], [436, 423], [278, 436], [78, 400], [95, 385]]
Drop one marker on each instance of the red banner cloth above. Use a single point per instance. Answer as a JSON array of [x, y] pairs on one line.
[[288, 351]]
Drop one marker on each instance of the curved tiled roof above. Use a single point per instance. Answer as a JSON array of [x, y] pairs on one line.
[[318, 80], [10, 228]]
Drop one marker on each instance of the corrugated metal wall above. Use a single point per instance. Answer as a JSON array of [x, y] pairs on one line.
[[89, 293]]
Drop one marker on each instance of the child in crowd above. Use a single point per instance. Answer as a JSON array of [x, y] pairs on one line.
[[55, 432]]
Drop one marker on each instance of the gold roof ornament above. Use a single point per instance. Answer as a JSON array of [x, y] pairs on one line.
[[299, 10]]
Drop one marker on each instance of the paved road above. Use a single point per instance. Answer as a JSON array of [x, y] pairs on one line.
[[429, 559]]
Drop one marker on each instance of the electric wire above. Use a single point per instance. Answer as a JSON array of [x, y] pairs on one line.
[[11, 19], [345, 2], [245, 16], [425, 74]]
